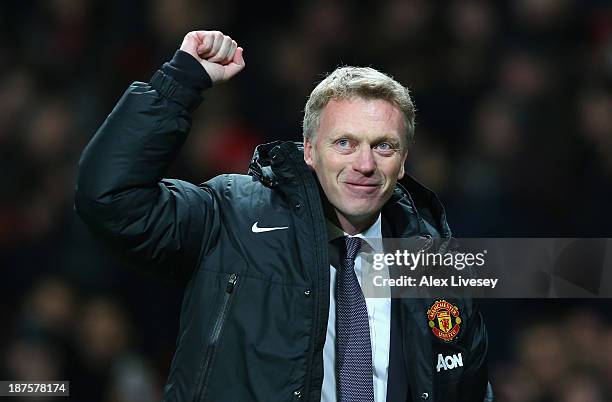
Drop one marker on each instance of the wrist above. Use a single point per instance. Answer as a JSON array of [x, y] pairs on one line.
[[187, 71]]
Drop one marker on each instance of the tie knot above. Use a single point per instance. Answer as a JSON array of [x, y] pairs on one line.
[[353, 245]]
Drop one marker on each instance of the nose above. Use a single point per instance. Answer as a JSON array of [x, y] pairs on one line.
[[364, 162]]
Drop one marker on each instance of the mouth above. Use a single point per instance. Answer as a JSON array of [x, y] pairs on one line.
[[362, 188]]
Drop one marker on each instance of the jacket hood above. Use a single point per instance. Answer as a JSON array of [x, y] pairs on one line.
[[261, 162], [408, 193]]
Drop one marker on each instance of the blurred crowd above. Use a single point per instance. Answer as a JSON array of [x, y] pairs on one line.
[[57, 334], [514, 131], [558, 355]]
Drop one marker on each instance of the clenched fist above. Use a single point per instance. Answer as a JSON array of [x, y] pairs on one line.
[[219, 54]]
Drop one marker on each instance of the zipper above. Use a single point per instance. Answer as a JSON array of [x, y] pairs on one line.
[[214, 337], [317, 217]]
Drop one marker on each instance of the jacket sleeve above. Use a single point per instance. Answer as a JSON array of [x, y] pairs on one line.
[[158, 225]]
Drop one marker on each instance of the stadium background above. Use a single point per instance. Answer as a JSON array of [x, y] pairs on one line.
[[514, 130]]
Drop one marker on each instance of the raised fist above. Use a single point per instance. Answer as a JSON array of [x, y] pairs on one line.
[[219, 54]]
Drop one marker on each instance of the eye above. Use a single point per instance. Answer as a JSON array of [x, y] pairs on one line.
[[344, 145], [385, 148]]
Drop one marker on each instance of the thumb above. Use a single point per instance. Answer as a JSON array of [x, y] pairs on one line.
[[236, 65], [238, 58]]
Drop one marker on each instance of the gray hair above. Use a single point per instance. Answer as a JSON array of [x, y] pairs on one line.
[[364, 82]]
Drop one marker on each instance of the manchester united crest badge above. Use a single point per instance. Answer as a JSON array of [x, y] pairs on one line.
[[444, 320]]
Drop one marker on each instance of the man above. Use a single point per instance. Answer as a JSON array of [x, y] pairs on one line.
[[259, 253]]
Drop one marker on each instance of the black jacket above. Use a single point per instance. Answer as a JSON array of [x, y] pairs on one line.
[[254, 314]]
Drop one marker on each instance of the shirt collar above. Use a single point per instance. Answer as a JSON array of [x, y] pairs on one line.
[[372, 235]]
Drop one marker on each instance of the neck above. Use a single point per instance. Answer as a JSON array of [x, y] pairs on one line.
[[354, 226], [350, 225]]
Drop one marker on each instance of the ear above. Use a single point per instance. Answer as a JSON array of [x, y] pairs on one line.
[[402, 166], [308, 153]]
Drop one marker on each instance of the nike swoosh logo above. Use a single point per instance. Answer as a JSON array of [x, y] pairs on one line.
[[257, 229]]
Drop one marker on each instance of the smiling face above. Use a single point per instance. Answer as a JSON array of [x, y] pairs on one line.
[[358, 154]]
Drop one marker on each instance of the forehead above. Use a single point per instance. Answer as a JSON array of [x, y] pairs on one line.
[[361, 116]]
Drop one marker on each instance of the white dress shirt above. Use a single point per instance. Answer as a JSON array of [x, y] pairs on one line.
[[379, 317]]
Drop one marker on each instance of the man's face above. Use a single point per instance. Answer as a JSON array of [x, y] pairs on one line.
[[358, 154]]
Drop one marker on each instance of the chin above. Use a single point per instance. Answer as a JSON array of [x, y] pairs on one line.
[[362, 211]]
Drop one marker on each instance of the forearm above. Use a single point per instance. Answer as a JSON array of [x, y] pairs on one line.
[[160, 225], [120, 193], [143, 133]]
